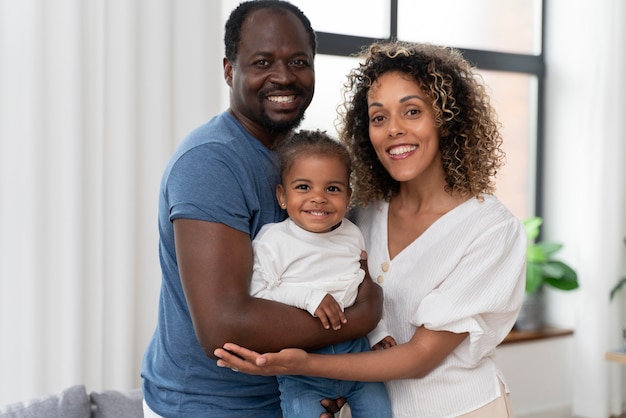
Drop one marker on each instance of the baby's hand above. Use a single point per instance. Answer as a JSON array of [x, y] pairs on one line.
[[330, 313], [386, 342]]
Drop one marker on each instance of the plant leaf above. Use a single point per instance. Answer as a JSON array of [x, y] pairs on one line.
[[535, 254], [549, 248], [552, 270], [617, 287], [533, 277], [567, 279], [531, 225]]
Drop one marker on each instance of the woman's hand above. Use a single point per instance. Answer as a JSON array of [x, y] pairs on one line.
[[240, 359], [287, 361]]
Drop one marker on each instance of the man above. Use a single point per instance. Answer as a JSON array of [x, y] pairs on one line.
[[217, 191]]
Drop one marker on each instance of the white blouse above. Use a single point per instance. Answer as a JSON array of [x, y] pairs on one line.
[[465, 273]]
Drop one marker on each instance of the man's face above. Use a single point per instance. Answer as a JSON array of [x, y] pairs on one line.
[[273, 79]]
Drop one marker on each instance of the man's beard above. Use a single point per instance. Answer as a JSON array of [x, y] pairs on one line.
[[281, 128]]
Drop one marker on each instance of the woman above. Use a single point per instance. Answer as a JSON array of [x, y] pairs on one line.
[[449, 256]]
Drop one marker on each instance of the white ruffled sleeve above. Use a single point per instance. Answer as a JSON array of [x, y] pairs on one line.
[[483, 293]]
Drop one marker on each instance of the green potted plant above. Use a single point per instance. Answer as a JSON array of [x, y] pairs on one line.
[[542, 269]]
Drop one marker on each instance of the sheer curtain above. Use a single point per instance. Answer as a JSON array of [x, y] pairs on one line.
[[94, 95], [585, 191]]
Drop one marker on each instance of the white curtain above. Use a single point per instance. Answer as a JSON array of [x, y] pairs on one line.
[[585, 185], [94, 95]]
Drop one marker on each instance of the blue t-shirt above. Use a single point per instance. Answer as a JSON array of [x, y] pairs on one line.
[[219, 173]]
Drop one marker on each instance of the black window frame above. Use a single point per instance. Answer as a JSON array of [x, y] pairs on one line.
[[348, 45]]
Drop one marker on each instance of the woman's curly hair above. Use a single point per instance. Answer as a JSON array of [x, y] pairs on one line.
[[470, 139]]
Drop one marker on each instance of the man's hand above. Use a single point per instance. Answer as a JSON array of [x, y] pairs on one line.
[[330, 313], [386, 342], [332, 406]]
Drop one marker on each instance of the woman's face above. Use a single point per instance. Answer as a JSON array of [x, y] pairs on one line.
[[402, 127]]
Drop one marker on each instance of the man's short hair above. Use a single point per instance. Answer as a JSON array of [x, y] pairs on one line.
[[232, 32]]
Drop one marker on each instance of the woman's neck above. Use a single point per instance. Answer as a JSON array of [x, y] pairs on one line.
[[413, 210]]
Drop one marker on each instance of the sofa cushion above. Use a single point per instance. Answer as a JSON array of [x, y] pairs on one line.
[[116, 404], [70, 403]]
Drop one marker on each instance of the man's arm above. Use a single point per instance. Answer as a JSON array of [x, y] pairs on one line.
[[215, 265]]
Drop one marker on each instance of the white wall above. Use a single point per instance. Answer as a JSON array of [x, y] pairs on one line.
[[538, 374]]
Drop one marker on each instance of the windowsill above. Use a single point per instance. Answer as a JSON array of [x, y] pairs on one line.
[[618, 356], [517, 336]]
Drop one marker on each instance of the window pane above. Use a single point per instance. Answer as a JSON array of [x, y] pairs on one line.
[[505, 26], [330, 75], [514, 97], [348, 17]]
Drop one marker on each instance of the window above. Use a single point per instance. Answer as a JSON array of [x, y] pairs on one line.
[[490, 25], [503, 39]]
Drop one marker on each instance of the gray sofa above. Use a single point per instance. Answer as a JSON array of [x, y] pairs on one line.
[[74, 402]]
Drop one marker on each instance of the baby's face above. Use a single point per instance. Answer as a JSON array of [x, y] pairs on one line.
[[316, 192]]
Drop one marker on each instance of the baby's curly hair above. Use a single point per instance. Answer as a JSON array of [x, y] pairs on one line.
[[470, 139], [308, 143]]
